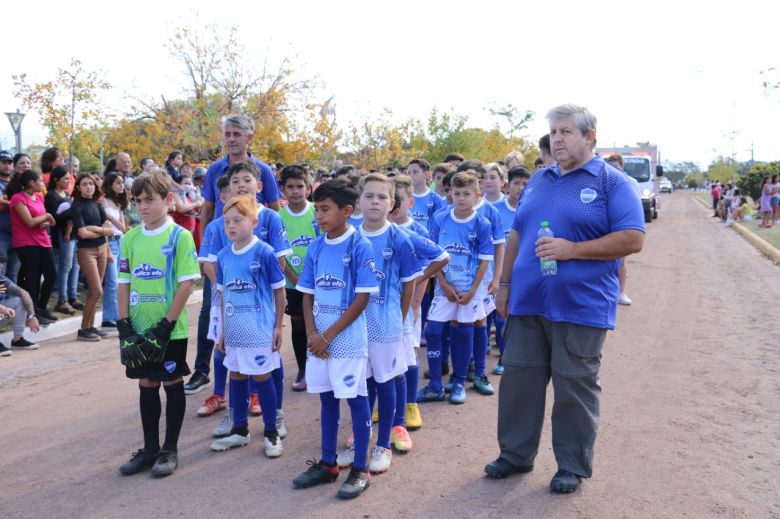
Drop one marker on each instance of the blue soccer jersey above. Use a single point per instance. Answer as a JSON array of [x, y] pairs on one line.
[[467, 241], [356, 220], [269, 229], [247, 279], [425, 206], [212, 238], [507, 213], [396, 263], [333, 272], [491, 214], [412, 226]]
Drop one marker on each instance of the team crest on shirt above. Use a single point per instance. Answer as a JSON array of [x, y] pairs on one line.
[[134, 298], [148, 271], [169, 366], [587, 195], [283, 233], [430, 202], [472, 236], [457, 248], [349, 380], [387, 253], [254, 266], [229, 309], [315, 309], [346, 259], [260, 360], [329, 282], [295, 261], [239, 285], [166, 250], [302, 241], [264, 234]]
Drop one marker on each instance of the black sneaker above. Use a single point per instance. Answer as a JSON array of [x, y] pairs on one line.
[[140, 460], [101, 333], [355, 484], [166, 464], [4, 352], [23, 344], [501, 468], [108, 324], [87, 335], [198, 382], [75, 303], [44, 312], [318, 472], [43, 321], [565, 482]]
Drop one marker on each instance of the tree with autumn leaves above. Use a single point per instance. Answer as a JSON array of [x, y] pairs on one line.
[[290, 125]]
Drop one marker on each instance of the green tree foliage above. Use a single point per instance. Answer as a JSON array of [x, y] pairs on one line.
[[750, 184], [677, 172], [723, 169]]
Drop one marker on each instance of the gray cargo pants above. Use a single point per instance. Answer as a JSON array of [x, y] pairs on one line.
[[537, 349]]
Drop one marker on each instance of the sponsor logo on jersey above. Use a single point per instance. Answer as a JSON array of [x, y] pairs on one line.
[[295, 261], [169, 366], [148, 271], [587, 195], [350, 380], [239, 285], [457, 248], [260, 360], [419, 215], [315, 309], [329, 282], [387, 252], [166, 250], [133, 298], [302, 241]]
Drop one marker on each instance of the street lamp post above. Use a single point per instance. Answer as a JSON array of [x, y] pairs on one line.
[[15, 118]]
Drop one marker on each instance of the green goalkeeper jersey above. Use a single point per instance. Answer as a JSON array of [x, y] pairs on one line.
[[153, 263], [301, 229]]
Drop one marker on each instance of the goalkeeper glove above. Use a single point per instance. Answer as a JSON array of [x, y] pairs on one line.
[[130, 352], [155, 340]]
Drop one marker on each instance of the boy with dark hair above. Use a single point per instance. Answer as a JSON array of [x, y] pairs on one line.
[[338, 276], [157, 270], [454, 158], [438, 174], [426, 202], [300, 222]]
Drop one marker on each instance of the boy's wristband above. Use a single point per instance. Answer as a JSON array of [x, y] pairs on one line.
[[504, 284]]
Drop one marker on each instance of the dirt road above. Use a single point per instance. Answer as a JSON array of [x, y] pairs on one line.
[[690, 418]]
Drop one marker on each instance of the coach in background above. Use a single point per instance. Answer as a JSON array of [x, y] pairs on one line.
[[556, 324]]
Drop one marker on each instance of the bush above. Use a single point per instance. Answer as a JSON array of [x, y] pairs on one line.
[[750, 184]]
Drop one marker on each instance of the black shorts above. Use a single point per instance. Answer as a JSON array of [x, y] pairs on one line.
[[294, 306], [173, 366]]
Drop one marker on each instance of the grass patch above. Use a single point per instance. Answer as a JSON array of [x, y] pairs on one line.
[[771, 235]]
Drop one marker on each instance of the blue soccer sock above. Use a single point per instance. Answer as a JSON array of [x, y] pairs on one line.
[[371, 385], [278, 378], [412, 381], [386, 396], [461, 343], [480, 349], [220, 373], [400, 401], [239, 402], [434, 333], [500, 325], [445, 345], [361, 428], [268, 402], [329, 416], [254, 387]]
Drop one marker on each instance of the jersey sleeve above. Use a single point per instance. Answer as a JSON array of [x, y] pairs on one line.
[[217, 242], [624, 209], [125, 259], [409, 265], [205, 244], [277, 236], [306, 279], [365, 277], [220, 275], [186, 262], [433, 231], [485, 243], [274, 270], [497, 227], [426, 250]]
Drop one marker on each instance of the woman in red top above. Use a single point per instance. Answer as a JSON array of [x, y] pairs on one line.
[[30, 240]]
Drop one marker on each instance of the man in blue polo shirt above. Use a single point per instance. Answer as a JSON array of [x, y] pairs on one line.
[[557, 324], [237, 131]]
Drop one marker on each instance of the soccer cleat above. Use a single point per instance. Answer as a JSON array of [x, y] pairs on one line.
[[318, 473], [166, 463], [346, 457], [281, 429], [400, 439], [448, 386], [458, 395], [428, 394], [230, 442], [380, 460], [375, 415], [624, 300], [273, 445], [23, 344], [413, 418], [254, 405], [483, 385], [499, 369], [355, 484], [140, 460], [300, 382], [197, 383], [212, 404], [225, 426]]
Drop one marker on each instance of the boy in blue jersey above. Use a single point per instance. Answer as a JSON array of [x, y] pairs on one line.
[[426, 202], [466, 236], [493, 183], [507, 207], [300, 222], [338, 276], [396, 268], [250, 284]]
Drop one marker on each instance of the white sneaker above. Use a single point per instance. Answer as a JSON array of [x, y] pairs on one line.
[[380, 460], [346, 457], [351, 438], [624, 300], [273, 449], [229, 442], [280, 428], [225, 426]]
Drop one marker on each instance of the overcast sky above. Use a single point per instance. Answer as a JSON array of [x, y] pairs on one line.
[[685, 75]]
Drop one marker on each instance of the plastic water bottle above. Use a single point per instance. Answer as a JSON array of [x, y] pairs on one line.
[[549, 268]]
